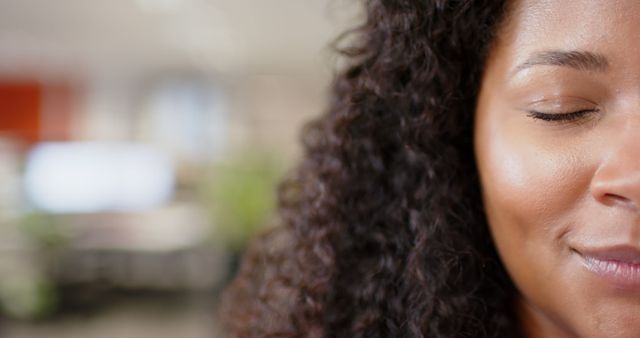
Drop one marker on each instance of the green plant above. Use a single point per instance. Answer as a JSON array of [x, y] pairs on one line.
[[240, 196]]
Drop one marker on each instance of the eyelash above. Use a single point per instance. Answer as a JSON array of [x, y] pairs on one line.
[[561, 117]]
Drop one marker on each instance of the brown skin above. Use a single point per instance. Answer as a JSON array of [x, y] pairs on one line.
[[554, 188]]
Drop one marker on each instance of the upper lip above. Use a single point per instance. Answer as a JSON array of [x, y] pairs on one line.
[[617, 253]]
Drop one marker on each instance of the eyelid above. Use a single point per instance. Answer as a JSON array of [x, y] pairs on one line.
[[560, 108], [560, 101]]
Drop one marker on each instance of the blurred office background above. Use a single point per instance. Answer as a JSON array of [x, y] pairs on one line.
[[140, 142]]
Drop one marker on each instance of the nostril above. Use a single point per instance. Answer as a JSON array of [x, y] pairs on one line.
[[613, 199], [616, 182]]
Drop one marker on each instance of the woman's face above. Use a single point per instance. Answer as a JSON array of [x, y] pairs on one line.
[[557, 141]]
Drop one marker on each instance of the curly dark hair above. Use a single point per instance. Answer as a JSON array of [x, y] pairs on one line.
[[384, 230]]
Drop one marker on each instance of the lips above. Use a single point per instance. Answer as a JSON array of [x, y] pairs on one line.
[[617, 265]]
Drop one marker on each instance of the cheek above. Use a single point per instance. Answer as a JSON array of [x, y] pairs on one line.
[[532, 191], [530, 188]]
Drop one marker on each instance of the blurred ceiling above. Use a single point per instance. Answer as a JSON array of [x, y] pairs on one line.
[[220, 36]]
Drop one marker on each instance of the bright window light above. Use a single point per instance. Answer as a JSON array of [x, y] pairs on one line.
[[94, 177]]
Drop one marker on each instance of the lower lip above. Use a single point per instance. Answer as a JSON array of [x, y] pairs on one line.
[[621, 274]]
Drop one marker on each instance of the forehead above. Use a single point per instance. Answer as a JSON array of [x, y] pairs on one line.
[[611, 28]]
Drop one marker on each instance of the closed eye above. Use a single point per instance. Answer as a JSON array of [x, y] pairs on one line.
[[561, 117]]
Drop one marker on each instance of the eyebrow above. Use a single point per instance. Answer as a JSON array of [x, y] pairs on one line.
[[576, 59]]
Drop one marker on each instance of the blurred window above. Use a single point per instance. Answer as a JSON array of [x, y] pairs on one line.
[[95, 177]]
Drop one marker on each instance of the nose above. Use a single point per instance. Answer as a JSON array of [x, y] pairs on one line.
[[616, 182]]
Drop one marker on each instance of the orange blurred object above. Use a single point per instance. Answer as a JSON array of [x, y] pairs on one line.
[[31, 112], [20, 108]]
